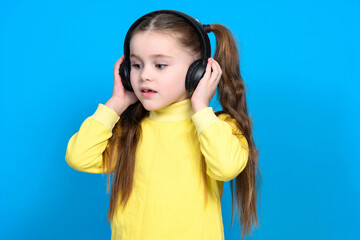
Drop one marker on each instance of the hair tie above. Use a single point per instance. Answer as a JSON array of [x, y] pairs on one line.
[[207, 27]]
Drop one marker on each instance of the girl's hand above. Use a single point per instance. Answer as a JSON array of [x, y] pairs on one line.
[[206, 88], [121, 98]]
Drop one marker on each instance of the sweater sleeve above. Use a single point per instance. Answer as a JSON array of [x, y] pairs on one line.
[[85, 148], [224, 147]]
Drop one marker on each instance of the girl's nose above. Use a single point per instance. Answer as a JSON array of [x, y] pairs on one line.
[[146, 74]]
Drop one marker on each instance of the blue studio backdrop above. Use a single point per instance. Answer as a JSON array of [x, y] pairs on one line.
[[299, 59]]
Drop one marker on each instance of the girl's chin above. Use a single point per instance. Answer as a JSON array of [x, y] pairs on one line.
[[151, 106]]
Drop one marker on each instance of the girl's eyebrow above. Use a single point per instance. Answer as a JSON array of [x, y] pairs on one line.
[[153, 56]]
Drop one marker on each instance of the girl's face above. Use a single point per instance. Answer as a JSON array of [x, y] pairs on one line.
[[158, 69]]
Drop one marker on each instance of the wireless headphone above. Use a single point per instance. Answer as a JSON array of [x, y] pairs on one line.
[[196, 70]]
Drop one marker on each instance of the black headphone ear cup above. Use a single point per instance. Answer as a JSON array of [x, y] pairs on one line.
[[195, 72], [125, 75]]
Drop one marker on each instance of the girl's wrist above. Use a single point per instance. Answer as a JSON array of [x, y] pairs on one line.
[[198, 107], [116, 105]]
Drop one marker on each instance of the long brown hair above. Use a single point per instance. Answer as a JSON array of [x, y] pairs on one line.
[[231, 91]]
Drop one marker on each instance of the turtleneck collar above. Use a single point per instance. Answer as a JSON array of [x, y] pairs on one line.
[[174, 112]]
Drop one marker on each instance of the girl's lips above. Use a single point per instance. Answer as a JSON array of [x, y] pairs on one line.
[[148, 93], [147, 89]]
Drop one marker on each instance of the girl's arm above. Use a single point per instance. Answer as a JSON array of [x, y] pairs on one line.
[[85, 148], [224, 147]]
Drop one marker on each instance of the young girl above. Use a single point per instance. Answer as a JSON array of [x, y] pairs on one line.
[[168, 151]]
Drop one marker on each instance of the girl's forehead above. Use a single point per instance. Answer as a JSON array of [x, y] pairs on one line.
[[154, 41], [171, 36]]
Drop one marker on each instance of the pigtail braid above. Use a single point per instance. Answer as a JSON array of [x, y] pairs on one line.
[[231, 92]]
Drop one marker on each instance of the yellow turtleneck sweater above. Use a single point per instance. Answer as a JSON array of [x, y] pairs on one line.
[[167, 201]]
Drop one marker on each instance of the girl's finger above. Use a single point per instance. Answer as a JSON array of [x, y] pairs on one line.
[[121, 59], [218, 66], [215, 72], [116, 70], [208, 69], [118, 62], [219, 71]]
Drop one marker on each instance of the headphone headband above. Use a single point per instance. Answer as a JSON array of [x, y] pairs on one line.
[[194, 22]]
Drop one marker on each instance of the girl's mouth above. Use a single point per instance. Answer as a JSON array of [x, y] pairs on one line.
[[147, 92]]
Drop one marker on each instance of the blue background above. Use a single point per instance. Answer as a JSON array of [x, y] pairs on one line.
[[300, 61]]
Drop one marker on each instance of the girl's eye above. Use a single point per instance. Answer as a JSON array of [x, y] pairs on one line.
[[136, 65], [160, 66]]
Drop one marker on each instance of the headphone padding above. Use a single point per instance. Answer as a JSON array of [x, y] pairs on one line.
[[124, 72], [195, 72]]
